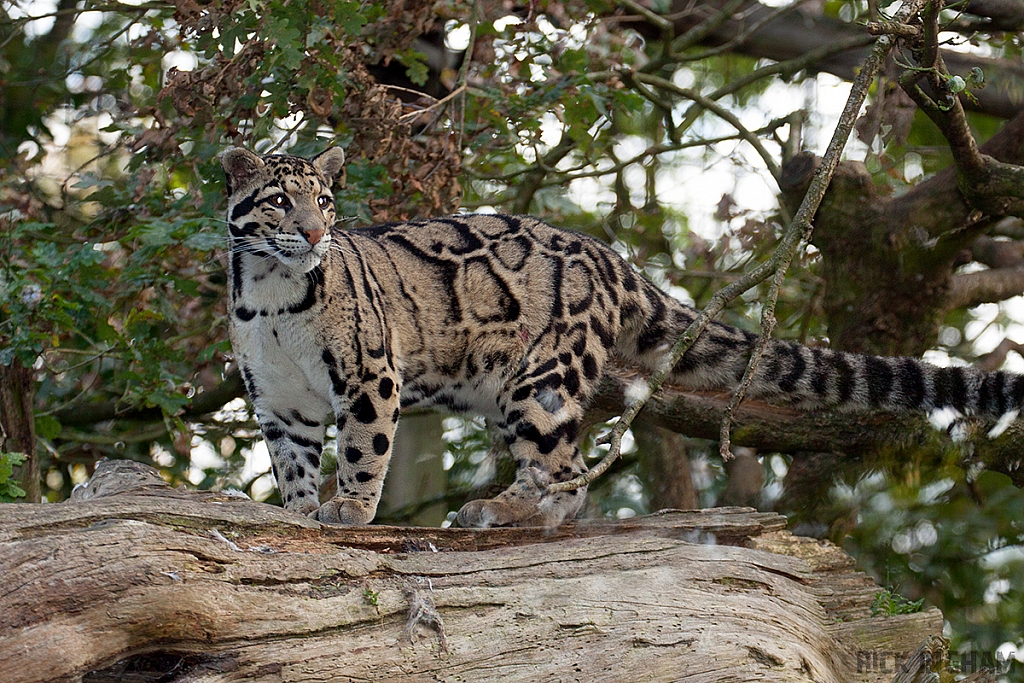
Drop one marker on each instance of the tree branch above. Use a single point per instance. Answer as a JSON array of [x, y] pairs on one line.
[[985, 286], [995, 358], [989, 185], [1006, 15], [793, 34], [202, 404], [534, 179], [796, 233]]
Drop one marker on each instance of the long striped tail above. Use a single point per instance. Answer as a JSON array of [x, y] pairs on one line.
[[811, 378]]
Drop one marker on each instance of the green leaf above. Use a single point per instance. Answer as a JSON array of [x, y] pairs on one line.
[[48, 426], [89, 180], [105, 332], [989, 483], [9, 491], [186, 286], [169, 403], [887, 603], [351, 17], [207, 354]]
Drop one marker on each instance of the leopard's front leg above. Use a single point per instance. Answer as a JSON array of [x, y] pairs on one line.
[[367, 413], [294, 437]]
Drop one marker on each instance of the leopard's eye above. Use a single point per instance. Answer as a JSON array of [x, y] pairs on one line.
[[324, 202], [280, 201]]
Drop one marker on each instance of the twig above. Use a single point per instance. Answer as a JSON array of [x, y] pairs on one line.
[[419, 112], [785, 69], [891, 28], [742, 36], [707, 27], [994, 187], [716, 109], [663, 24], [798, 231], [148, 434]]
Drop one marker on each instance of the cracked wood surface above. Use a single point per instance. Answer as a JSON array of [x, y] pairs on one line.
[[136, 581]]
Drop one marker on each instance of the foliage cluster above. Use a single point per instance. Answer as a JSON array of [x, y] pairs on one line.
[[9, 489]]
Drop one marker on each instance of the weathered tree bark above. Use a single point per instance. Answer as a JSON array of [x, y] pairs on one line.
[[17, 424], [134, 580]]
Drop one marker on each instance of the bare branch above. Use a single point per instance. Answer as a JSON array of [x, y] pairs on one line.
[[994, 359], [793, 34], [202, 404], [716, 109], [985, 286], [989, 185], [1006, 15], [881, 28], [998, 253]]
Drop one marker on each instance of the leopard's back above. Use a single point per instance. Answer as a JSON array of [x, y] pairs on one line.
[[476, 299]]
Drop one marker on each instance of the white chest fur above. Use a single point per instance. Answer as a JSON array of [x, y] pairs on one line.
[[276, 337]]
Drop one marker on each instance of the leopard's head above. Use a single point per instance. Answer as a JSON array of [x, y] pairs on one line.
[[282, 206]]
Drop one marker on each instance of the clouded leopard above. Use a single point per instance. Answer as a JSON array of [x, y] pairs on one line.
[[504, 316]]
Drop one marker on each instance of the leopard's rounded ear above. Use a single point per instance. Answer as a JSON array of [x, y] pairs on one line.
[[240, 165], [330, 162]]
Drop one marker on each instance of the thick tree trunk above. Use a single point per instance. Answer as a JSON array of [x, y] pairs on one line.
[[131, 580], [17, 424]]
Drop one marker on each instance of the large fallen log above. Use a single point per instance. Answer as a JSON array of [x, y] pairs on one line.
[[134, 581]]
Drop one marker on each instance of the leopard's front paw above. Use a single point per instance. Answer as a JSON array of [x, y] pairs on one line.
[[345, 511]]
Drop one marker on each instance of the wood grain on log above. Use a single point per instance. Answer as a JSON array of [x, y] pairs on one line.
[[153, 584]]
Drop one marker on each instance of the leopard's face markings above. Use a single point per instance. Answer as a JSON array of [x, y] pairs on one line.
[[281, 207]]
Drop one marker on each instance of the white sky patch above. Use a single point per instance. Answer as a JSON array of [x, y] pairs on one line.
[[1002, 556], [930, 493], [37, 8], [257, 461], [457, 36], [995, 590], [180, 59], [506, 21], [1008, 651], [203, 454], [85, 25], [262, 487], [550, 129], [694, 180]]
